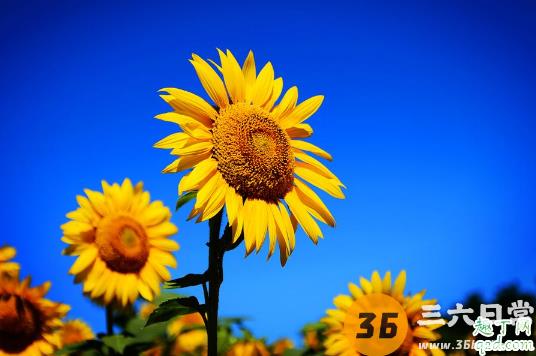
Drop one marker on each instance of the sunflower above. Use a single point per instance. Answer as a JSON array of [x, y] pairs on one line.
[[248, 155], [122, 243], [74, 331], [337, 342], [28, 321], [7, 268], [190, 335], [248, 348], [280, 346], [187, 331]]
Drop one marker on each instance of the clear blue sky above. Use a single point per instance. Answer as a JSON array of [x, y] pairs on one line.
[[430, 115]]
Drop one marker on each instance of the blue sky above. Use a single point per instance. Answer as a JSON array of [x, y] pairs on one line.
[[429, 113]]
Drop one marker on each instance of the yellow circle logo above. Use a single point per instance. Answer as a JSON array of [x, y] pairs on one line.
[[376, 325]]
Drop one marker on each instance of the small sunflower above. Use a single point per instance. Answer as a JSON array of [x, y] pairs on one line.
[[28, 321], [7, 268], [122, 243], [248, 348], [337, 343], [248, 155], [280, 346], [190, 334], [187, 331], [74, 331]]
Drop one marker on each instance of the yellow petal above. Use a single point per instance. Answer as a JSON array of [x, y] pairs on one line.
[[232, 203], [304, 218], [355, 290], [206, 190], [309, 147], [7, 253], [211, 81], [300, 131], [386, 284], [189, 125], [163, 257], [250, 75], [261, 212], [164, 244], [276, 92], [315, 165], [233, 77], [145, 291], [201, 173], [330, 186], [186, 162], [263, 85], [215, 202], [365, 285], [249, 226], [314, 203], [400, 284], [189, 104], [376, 282], [290, 227], [302, 112], [86, 258], [288, 102], [161, 230]]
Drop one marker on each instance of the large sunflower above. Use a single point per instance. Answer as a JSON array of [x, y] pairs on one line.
[[28, 321], [337, 343], [248, 155], [122, 243], [7, 267]]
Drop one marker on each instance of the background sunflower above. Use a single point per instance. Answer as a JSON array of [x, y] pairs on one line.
[[121, 240]]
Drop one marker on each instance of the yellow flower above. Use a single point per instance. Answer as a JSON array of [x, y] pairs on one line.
[[190, 334], [74, 331], [28, 322], [146, 310], [122, 243], [311, 340], [10, 269], [280, 346], [248, 348], [248, 155], [338, 344]]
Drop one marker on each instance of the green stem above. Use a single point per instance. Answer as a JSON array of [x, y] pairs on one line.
[[109, 320], [215, 278]]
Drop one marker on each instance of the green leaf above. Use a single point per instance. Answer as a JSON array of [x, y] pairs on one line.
[[293, 352], [165, 296], [189, 280], [185, 198], [85, 346], [319, 326], [117, 342], [174, 307]]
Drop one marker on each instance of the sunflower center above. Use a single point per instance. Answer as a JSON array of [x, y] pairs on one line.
[[122, 244], [19, 323], [253, 153]]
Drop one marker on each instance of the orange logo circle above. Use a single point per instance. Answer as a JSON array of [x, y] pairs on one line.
[[376, 325]]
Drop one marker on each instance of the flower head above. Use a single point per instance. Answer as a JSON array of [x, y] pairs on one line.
[[248, 348], [74, 331], [8, 268], [337, 342], [280, 346], [122, 242], [248, 155], [28, 321]]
